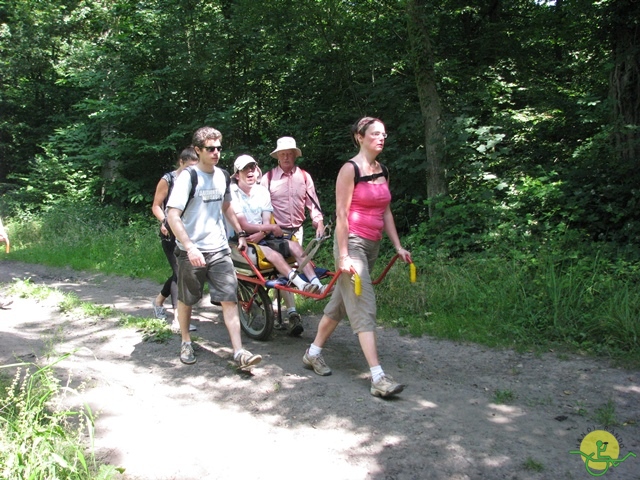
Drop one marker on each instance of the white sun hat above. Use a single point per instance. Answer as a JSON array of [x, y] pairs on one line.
[[286, 143]]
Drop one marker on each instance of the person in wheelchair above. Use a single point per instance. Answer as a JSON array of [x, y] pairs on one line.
[[251, 203]]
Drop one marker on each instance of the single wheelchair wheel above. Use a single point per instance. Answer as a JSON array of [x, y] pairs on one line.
[[254, 307]]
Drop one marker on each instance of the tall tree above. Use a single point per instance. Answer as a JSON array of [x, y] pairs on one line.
[[422, 55], [624, 28]]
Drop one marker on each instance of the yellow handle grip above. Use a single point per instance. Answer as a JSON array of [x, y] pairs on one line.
[[358, 284], [412, 272]]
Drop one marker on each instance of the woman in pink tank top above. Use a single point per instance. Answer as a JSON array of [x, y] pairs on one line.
[[362, 215]]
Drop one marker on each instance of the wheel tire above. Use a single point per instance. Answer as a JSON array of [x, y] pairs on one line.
[[254, 308]]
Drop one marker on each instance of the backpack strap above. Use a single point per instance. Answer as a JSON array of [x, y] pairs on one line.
[[227, 178], [305, 175], [194, 184], [367, 178]]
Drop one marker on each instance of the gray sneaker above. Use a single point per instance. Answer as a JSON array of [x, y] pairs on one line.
[[295, 324], [385, 387], [158, 310], [246, 359], [316, 363], [186, 354]]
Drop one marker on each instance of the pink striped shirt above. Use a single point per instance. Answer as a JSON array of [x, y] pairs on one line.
[[289, 197]]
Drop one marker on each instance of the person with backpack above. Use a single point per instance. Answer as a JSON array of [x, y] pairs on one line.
[[292, 193], [187, 158], [362, 216], [198, 205]]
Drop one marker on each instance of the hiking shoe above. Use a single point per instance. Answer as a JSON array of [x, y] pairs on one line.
[[295, 324], [325, 288], [246, 359], [175, 326], [311, 288], [158, 310], [186, 354], [317, 364], [385, 387]]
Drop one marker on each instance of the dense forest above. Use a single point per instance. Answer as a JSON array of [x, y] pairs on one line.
[[509, 121]]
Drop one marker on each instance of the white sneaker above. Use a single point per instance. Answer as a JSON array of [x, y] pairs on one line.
[[385, 387]]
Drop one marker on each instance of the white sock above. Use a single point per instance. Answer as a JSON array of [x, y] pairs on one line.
[[376, 373], [315, 281], [314, 351], [237, 354], [291, 310], [297, 281]]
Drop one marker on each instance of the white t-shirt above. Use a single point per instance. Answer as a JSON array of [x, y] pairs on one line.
[[251, 206], [203, 219]]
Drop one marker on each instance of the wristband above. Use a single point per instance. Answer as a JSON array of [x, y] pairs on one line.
[[242, 234]]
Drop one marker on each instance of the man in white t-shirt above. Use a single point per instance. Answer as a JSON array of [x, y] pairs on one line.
[[202, 249]]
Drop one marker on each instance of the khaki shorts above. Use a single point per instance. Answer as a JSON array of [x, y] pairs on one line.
[[360, 309], [218, 272]]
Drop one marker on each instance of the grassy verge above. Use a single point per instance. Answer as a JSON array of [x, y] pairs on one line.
[[566, 297], [586, 305], [41, 436]]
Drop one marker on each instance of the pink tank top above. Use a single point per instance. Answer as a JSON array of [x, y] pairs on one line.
[[368, 204]]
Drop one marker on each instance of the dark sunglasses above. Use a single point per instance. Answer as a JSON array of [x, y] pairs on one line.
[[213, 149]]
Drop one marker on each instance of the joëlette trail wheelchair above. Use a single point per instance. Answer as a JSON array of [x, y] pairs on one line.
[[256, 277]]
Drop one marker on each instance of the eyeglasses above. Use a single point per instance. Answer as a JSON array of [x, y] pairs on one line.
[[213, 149], [379, 134], [251, 166]]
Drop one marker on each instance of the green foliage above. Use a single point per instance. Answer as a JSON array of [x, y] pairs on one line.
[[605, 415], [533, 465], [100, 97], [90, 237], [503, 396], [153, 329], [42, 436]]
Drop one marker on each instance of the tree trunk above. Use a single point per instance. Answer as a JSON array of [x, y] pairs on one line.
[[423, 63], [625, 81]]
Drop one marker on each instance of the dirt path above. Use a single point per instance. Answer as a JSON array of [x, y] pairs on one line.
[[161, 419]]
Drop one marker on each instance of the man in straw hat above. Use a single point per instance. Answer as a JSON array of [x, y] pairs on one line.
[[292, 194]]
